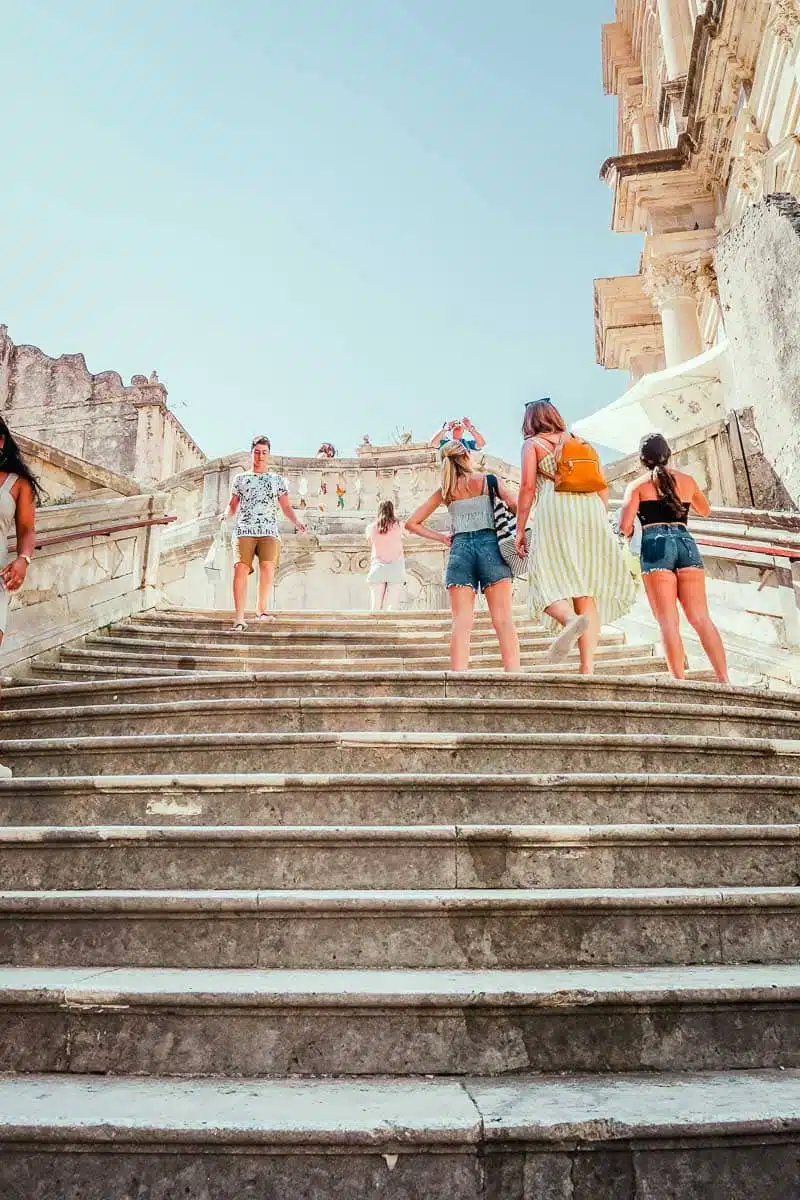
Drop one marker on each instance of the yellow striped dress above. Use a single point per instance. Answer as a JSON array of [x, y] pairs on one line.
[[575, 553]]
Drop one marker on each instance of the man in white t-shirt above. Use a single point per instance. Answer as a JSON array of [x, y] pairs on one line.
[[256, 496]]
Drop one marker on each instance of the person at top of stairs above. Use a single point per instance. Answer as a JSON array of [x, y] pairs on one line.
[[672, 568], [19, 493], [387, 571], [256, 496], [475, 562]]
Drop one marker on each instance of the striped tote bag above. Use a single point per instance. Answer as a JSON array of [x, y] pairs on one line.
[[505, 525]]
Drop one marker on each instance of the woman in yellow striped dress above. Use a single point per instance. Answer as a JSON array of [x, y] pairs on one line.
[[579, 577]]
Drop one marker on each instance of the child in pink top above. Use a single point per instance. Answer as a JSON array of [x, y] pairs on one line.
[[387, 572]]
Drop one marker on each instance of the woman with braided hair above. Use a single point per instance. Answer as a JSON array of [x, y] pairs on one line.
[[672, 568]]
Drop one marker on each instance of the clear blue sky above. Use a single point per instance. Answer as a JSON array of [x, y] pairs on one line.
[[315, 218]]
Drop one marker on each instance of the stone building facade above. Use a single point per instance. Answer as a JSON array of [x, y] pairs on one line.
[[708, 126], [127, 429]]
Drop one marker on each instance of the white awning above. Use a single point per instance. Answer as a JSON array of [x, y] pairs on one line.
[[671, 402]]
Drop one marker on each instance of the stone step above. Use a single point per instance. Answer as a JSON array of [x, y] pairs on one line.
[[195, 658], [702, 1136], [421, 857], [274, 634], [268, 649], [558, 686], [647, 666], [405, 798], [319, 619], [452, 928], [364, 751], [360, 1023], [407, 714]]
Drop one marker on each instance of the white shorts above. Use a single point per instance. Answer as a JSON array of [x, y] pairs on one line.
[[393, 572]]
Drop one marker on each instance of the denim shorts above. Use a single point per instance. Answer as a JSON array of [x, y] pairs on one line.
[[668, 548], [475, 561]]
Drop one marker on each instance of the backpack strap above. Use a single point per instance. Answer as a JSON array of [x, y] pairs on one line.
[[491, 484]]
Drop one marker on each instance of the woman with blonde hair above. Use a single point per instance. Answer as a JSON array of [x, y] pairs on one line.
[[672, 568], [475, 563], [579, 577], [387, 571]]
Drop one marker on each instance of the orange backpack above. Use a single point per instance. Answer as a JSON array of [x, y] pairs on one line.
[[577, 467]]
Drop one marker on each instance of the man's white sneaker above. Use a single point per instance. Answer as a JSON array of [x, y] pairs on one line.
[[6, 772]]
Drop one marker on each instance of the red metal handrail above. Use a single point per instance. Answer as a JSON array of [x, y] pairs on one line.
[[102, 532], [775, 551]]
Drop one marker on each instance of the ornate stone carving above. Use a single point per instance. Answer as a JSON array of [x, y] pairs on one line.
[[666, 279], [749, 166], [706, 283], [786, 20]]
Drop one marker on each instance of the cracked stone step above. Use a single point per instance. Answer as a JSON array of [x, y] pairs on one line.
[[555, 686], [360, 751], [314, 1023], [392, 713], [329, 857], [407, 798], [695, 1136], [475, 929]]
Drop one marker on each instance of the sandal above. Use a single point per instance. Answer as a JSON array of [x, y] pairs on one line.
[[266, 616], [239, 627]]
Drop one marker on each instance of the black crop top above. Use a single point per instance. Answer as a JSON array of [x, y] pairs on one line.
[[657, 512]]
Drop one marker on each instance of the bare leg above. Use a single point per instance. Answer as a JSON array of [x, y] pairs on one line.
[[694, 602], [499, 599], [561, 611], [5, 772], [393, 593], [586, 606], [662, 592], [376, 591], [266, 577], [462, 606], [241, 573]]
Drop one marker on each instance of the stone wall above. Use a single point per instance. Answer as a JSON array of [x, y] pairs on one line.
[[80, 579], [127, 429], [758, 268], [63, 478]]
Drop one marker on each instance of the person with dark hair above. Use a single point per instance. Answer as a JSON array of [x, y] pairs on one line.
[[387, 571], [475, 563], [672, 568], [19, 495], [256, 496], [579, 577]]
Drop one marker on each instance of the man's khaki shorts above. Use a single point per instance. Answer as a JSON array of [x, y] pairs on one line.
[[265, 549]]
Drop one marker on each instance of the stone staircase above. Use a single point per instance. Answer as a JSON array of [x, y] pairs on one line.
[[299, 914]]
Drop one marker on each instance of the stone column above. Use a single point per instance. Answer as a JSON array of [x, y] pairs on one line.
[[672, 39], [671, 283], [150, 400]]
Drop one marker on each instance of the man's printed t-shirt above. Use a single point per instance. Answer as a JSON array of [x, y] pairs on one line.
[[258, 503]]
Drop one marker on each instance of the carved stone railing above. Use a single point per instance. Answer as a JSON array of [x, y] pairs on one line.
[[96, 562]]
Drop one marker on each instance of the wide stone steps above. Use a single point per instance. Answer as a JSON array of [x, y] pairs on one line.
[[360, 1023], [197, 659], [358, 750], [460, 928], [727, 1134], [273, 884], [661, 691], [401, 714], [406, 798], [424, 857]]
